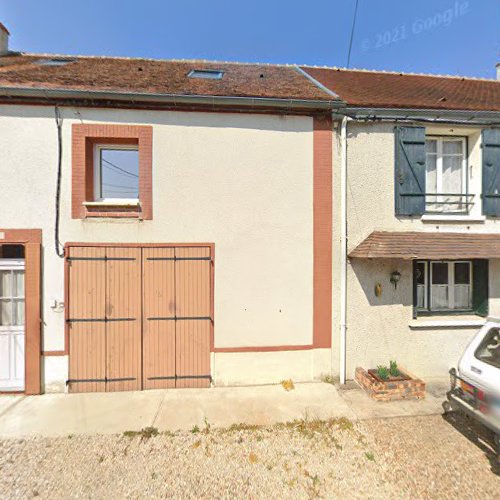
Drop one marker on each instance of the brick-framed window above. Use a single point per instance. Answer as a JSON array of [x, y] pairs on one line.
[[86, 140]]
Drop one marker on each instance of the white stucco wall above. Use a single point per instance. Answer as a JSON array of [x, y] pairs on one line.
[[241, 181], [378, 329]]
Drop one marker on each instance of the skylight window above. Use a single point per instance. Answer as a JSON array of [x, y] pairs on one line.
[[56, 61], [208, 74]]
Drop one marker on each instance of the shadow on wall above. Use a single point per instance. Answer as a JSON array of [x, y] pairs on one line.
[[374, 276]]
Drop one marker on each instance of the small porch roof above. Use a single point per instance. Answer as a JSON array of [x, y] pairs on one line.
[[412, 245]]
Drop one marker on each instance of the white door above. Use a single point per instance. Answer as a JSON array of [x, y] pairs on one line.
[[12, 324]]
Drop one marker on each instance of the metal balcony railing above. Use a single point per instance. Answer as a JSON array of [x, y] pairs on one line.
[[448, 203]]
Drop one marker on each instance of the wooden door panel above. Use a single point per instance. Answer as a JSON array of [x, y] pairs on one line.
[[158, 318], [123, 313], [87, 330], [193, 310]]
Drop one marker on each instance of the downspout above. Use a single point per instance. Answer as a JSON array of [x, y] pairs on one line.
[[343, 248]]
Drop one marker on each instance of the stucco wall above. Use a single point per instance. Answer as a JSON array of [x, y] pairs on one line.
[[243, 182], [378, 329]]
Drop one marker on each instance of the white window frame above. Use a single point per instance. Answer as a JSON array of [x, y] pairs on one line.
[[426, 284], [451, 284], [439, 168], [97, 172]]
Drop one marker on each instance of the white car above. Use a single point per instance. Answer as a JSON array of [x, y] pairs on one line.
[[475, 386]]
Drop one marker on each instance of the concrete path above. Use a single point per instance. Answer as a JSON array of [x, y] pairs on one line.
[[109, 413]]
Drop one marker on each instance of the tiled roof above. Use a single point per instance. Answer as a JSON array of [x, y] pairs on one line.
[[362, 88], [158, 77], [428, 245]]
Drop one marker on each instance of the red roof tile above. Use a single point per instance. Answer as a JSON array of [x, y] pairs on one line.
[[398, 90], [158, 77]]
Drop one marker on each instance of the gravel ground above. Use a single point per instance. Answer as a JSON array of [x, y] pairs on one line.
[[414, 457]]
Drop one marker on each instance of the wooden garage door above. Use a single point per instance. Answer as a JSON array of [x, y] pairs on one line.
[[139, 318], [104, 319]]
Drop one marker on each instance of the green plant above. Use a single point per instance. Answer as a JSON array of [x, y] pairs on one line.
[[370, 456], [383, 372], [393, 369], [195, 430]]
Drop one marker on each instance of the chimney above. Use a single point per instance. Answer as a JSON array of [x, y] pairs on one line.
[[4, 40], [498, 71]]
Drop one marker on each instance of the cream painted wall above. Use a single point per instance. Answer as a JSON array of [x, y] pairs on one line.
[[242, 181], [378, 329]]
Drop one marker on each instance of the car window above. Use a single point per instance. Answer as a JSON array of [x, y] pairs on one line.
[[489, 349]]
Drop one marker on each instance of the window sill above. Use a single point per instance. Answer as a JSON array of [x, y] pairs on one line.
[[452, 218], [447, 322], [118, 203]]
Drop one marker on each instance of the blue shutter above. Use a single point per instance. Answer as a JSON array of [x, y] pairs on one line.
[[491, 171], [409, 178]]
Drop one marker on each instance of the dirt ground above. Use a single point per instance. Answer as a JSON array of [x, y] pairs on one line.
[[413, 457]]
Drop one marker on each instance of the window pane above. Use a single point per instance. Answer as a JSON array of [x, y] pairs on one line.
[[439, 273], [420, 273], [119, 173], [489, 349], [18, 312], [462, 273], [5, 283], [462, 297], [452, 175], [440, 297], [5, 312], [18, 283], [452, 147], [431, 146]]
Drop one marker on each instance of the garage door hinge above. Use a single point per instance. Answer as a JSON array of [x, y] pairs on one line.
[[177, 377], [179, 258], [105, 379]]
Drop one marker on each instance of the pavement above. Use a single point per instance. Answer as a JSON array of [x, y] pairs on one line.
[[182, 409]]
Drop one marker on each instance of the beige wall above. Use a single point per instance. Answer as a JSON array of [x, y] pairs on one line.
[[378, 329], [241, 181]]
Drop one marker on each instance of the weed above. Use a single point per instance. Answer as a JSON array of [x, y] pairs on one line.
[[383, 372], [393, 369], [169, 433], [239, 440], [207, 427], [101, 459], [196, 444], [243, 427], [153, 475], [329, 379], [288, 385], [70, 436], [370, 456], [195, 430], [146, 433]]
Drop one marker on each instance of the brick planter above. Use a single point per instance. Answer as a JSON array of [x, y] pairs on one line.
[[388, 390]]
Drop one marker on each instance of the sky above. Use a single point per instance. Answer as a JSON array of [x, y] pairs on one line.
[[424, 36]]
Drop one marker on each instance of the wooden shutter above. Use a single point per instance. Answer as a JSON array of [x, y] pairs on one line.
[[491, 171], [480, 286], [409, 181]]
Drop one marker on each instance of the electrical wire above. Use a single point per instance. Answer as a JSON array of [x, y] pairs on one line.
[[119, 168], [58, 247], [352, 33]]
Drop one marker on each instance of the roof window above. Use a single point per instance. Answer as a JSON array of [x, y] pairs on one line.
[[208, 74], [56, 61]]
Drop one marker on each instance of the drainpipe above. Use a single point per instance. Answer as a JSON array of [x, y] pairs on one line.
[[343, 248]]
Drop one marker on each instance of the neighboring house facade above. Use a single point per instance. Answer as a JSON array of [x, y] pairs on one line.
[[185, 223], [422, 204]]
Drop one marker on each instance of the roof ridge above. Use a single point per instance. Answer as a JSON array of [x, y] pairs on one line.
[[401, 73], [186, 60]]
